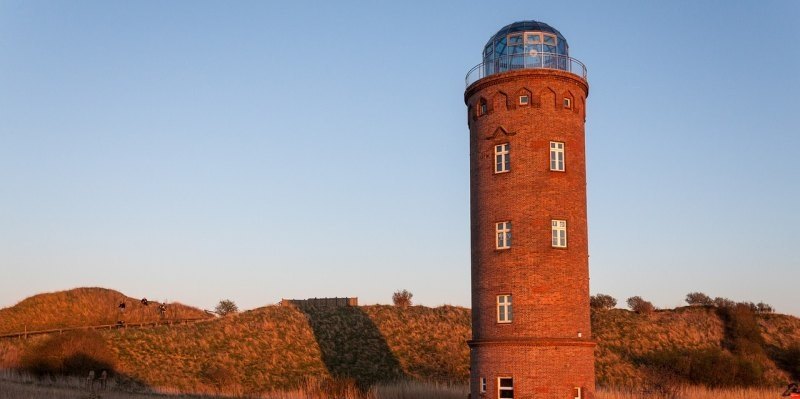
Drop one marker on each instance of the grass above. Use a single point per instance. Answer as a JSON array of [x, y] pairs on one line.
[[84, 307], [284, 349], [694, 392], [16, 386]]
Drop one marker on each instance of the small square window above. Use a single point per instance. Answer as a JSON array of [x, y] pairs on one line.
[[505, 388], [523, 100], [482, 108], [503, 230], [577, 393], [567, 102], [483, 384]]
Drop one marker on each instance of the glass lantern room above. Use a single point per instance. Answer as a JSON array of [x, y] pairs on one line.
[[528, 38], [523, 45]]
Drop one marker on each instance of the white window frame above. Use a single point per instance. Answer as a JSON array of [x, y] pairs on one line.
[[526, 101], [483, 108], [502, 158], [501, 388], [505, 302], [502, 235], [558, 230], [557, 156], [482, 383], [578, 393], [567, 102]]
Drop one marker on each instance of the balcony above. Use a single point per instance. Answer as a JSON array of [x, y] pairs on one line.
[[532, 60]]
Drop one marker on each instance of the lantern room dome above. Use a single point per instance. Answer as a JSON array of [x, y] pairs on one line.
[[525, 37]]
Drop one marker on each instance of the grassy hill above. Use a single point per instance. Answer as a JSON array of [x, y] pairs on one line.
[[276, 348], [84, 307]]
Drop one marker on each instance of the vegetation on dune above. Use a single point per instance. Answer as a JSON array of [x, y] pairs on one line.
[[72, 353], [279, 350], [85, 307]]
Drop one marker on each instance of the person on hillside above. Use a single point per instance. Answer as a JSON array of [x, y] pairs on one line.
[[145, 302], [792, 390], [103, 379], [90, 381], [122, 306]]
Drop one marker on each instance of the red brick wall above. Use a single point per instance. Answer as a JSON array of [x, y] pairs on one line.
[[550, 286]]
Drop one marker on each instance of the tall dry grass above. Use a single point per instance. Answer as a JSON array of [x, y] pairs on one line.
[[81, 307], [694, 392]]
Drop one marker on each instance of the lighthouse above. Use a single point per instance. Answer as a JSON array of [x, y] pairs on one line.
[[526, 110]]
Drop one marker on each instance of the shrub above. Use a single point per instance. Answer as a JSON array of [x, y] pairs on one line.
[[70, 353], [698, 299], [712, 367], [640, 306], [763, 308], [724, 302], [602, 302], [225, 307], [402, 298], [789, 360]]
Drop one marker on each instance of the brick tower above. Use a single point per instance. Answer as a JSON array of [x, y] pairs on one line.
[[531, 333]]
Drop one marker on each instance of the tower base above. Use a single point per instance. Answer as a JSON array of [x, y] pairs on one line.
[[539, 368]]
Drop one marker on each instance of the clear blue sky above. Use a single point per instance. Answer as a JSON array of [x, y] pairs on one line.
[[194, 151]]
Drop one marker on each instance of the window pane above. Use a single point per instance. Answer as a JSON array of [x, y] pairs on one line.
[[549, 40], [507, 394], [506, 383]]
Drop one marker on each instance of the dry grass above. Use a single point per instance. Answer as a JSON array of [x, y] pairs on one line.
[[696, 393], [286, 349], [84, 307], [24, 387]]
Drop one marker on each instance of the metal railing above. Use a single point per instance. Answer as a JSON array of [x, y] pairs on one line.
[[534, 60]]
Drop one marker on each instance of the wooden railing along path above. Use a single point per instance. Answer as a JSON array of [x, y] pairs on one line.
[[26, 334]]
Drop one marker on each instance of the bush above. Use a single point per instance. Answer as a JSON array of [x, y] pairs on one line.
[[602, 302], [724, 303], [70, 353], [699, 299], [789, 360], [225, 307], [712, 367], [640, 306], [763, 308], [402, 298]]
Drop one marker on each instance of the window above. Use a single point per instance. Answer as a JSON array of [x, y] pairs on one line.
[[505, 387], [559, 229], [523, 100], [504, 314], [482, 108], [483, 384], [556, 156], [501, 158], [577, 394], [567, 102], [503, 230]]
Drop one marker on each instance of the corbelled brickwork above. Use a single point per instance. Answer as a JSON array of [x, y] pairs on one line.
[[547, 348]]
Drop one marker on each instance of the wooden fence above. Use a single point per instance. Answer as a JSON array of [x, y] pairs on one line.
[[26, 334]]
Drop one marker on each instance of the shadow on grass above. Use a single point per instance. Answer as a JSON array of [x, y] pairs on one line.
[[352, 346]]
